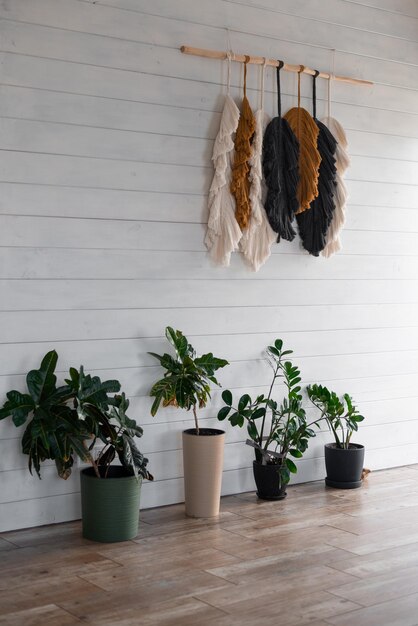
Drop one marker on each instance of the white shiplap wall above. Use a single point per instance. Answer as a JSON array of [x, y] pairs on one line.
[[106, 136]]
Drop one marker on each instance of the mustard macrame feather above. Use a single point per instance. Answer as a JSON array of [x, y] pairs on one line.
[[240, 185], [306, 131]]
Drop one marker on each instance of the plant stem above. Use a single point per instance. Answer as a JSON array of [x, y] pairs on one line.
[[92, 461], [195, 419], [264, 416]]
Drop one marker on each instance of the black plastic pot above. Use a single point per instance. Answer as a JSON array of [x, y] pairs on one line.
[[344, 467], [110, 506], [268, 481]]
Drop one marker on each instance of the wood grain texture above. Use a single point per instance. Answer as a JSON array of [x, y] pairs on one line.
[[106, 134], [258, 560]]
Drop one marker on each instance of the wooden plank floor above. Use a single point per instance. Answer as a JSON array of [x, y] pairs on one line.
[[322, 556]]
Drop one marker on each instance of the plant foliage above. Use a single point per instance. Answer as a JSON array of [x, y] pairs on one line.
[[279, 430], [341, 415], [66, 422], [187, 380]]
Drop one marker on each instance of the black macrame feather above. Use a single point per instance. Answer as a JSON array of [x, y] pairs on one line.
[[280, 168], [314, 223]]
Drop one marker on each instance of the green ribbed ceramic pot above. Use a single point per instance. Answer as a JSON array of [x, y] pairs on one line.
[[110, 506]]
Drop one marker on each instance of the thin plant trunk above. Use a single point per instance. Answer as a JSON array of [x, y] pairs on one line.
[[195, 419]]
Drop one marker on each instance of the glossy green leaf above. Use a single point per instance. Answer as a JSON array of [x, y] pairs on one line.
[[18, 406], [291, 466], [227, 397], [42, 382], [243, 402], [224, 412]]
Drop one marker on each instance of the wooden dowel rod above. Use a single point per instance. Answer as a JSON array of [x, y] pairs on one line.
[[218, 54]]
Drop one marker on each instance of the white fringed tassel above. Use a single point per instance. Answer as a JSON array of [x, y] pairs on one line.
[[223, 233], [258, 238], [342, 161]]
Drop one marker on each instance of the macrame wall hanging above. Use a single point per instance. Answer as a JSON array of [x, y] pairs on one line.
[[314, 223], [240, 184], [306, 131], [258, 237], [303, 161], [223, 233], [342, 161], [281, 171]]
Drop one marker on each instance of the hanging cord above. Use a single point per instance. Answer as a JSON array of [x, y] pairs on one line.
[[300, 71], [331, 78], [247, 58], [314, 94], [301, 68], [228, 82], [263, 71], [279, 95]]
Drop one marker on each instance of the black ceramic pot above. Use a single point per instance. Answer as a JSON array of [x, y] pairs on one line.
[[344, 467], [268, 481]]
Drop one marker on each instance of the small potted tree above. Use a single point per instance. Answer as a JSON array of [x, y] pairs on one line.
[[277, 431], [66, 422], [343, 460], [186, 384]]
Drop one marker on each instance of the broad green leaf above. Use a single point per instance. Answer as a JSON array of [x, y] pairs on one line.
[[224, 412], [252, 431], [227, 397], [260, 412], [166, 360], [291, 466], [243, 402], [210, 363], [94, 391], [133, 459], [18, 405], [42, 382], [236, 419]]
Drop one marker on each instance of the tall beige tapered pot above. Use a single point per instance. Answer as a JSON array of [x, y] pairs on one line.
[[203, 457]]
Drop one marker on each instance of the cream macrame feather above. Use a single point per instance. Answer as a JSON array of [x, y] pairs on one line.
[[342, 161], [223, 233], [258, 238]]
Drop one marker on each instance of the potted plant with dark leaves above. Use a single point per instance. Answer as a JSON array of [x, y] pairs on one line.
[[277, 430], [186, 384], [343, 460], [65, 422]]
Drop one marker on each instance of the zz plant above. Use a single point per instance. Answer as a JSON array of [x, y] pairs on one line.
[[66, 422], [341, 414], [187, 378], [277, 430]]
